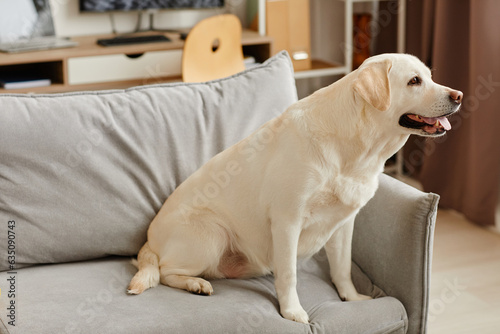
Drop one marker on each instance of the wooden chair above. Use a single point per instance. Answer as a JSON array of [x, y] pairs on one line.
[[213, 49]]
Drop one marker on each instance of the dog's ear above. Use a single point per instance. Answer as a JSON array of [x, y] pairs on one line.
[[372, 84]]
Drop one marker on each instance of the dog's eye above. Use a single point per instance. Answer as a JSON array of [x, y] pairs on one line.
[[415, 81]]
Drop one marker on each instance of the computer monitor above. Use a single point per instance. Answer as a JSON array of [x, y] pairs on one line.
[[139, 5], [25, 19]]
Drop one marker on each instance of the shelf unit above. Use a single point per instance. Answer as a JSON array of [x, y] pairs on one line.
[[327, 68], [57, 64], [348, 14], [321, 68]]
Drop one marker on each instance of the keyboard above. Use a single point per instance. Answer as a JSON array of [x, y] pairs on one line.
[[36, 44], [133, 40]]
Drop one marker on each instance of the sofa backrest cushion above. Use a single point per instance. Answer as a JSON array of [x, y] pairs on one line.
[[83, 174]]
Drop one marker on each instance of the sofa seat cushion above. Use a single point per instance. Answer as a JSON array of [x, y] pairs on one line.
[[89, 297]]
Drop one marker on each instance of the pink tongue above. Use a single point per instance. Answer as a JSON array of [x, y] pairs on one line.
[[445, 123], [443, 120]]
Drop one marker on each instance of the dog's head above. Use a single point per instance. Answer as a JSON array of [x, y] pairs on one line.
[[401, 88]]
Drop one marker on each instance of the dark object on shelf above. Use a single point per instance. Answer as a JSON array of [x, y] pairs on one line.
[[361, 39], [141, 5], [133, 40]]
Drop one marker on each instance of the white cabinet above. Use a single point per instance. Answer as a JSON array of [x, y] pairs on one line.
[[120, 67]]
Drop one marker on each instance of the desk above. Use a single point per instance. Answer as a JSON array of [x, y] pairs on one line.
[[66, 67]]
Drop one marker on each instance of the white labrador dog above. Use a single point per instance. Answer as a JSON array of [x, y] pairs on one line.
[[295, 185]]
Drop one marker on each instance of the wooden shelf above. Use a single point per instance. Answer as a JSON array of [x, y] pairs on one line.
[[62, 88], [321, 68], [54, 63]]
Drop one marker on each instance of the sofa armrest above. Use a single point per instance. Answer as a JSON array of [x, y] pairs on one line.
[[392, 244]]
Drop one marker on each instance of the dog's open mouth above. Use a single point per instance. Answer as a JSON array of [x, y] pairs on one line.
[[431, 125]]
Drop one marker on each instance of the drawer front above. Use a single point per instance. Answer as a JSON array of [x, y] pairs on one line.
[[150, 66]]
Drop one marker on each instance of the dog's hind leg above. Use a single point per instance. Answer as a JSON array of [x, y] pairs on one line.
[[180, 268], [189, 283], [182, 263], [148, 275], [193, 250]]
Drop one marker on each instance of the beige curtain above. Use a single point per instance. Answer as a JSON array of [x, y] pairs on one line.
[[460, 40]]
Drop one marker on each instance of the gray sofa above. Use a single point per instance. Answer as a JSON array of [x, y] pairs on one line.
[[83, 174]]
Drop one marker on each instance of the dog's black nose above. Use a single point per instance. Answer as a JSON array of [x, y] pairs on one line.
[[456, 96]]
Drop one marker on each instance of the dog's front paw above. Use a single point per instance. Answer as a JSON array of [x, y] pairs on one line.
[[296, 314]]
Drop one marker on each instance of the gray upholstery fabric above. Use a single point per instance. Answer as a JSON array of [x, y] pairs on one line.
[[79, 170], [393, 244], [89, 297]]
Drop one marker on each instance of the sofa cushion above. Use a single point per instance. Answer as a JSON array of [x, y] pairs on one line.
[[89, 297], [83, 174]]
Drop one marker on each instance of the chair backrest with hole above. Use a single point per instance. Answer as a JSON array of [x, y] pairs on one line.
[[213, 49]]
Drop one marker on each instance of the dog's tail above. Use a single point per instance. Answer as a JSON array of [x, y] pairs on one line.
[[148, 275]]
